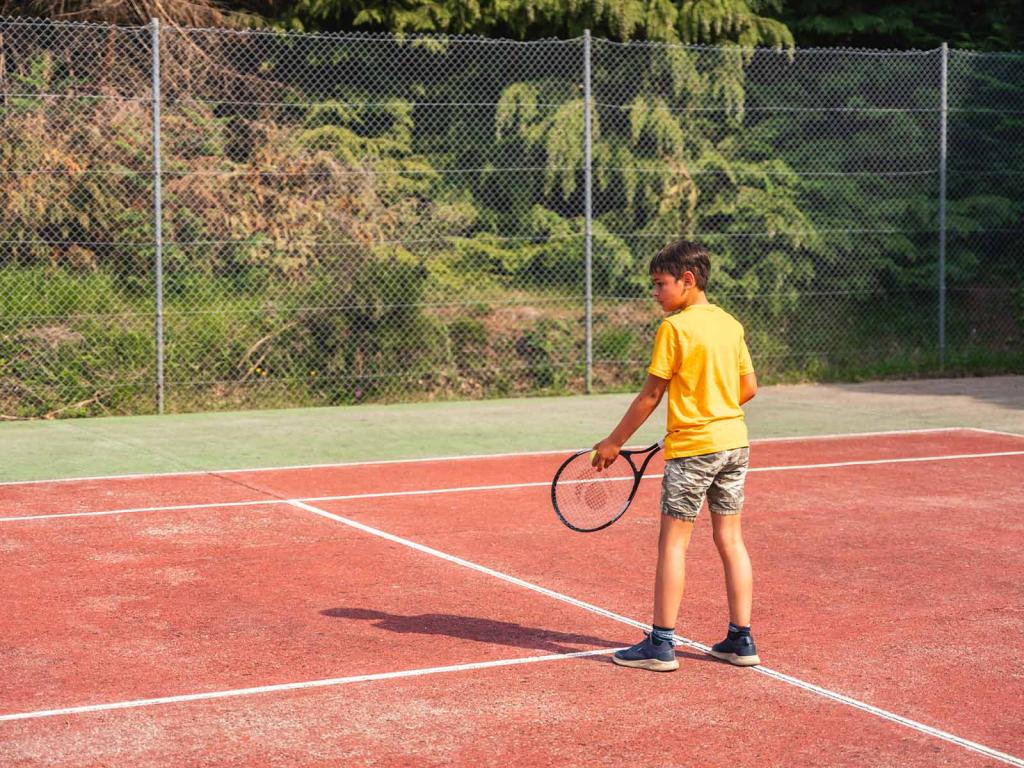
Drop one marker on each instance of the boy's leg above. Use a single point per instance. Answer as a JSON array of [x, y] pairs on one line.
[[683, 487], [656, 652], [739, 582], [725, 501], [671, 573]]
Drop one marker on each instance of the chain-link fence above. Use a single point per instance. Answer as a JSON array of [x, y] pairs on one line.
[[220, 219]]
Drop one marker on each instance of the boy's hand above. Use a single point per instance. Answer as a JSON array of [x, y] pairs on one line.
[[605, 453]]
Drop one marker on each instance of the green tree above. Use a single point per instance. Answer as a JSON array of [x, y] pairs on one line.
[[690, 21], [972, 24]]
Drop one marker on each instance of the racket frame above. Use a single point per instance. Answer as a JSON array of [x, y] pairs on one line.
[[627, 454]]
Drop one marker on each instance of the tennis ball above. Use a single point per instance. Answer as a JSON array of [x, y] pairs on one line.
[[593, 456]]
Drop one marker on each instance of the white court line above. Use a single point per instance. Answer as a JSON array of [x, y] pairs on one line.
[[996, 432], [824, 692], [131, 510], [445, 458], [877, 433], [867, 462], [500, 487], [295, 686]]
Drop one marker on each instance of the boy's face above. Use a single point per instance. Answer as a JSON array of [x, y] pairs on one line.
[[669, 292]]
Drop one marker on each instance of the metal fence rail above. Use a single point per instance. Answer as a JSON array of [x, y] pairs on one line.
[[223, 219]]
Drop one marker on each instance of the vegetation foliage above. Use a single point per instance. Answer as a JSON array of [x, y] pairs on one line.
[[384, 220]]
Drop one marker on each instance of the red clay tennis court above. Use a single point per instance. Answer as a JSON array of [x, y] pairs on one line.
[[436, 613]]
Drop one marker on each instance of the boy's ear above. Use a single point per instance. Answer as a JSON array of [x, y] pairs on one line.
[[688, 278]]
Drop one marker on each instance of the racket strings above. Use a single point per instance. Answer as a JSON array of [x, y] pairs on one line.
[[587, 499]]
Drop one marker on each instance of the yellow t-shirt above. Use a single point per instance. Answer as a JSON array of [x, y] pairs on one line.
[[702, 353]]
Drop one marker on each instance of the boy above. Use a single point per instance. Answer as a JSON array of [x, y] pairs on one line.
[[701, 357]]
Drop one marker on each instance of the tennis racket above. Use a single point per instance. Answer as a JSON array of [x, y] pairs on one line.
[[587, 500]]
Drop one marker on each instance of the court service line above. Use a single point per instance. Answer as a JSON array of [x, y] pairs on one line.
[[782, 677], [566, 451], [498, 487], [81, 710]]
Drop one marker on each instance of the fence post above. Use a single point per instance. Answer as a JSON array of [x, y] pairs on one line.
[[588, 213], [158, 218], [942, 206]]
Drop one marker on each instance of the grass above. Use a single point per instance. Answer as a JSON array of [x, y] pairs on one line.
[[76, 344]]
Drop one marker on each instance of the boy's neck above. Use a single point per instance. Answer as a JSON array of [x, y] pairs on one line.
[[694, 299]]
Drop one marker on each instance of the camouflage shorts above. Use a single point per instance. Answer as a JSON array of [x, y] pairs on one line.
[[719, 475]]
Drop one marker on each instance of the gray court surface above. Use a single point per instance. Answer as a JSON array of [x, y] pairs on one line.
[[38, 450]]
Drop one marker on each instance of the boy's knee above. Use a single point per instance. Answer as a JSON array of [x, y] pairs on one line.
[[674, 530], [727, 536]]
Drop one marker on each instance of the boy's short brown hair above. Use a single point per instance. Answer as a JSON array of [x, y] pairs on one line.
[[683, 256]]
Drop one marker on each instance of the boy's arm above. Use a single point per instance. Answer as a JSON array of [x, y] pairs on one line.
[[643, 405], [748, 387]]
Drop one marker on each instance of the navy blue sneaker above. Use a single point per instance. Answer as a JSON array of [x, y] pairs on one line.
[[739, 650], [647, 655]]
